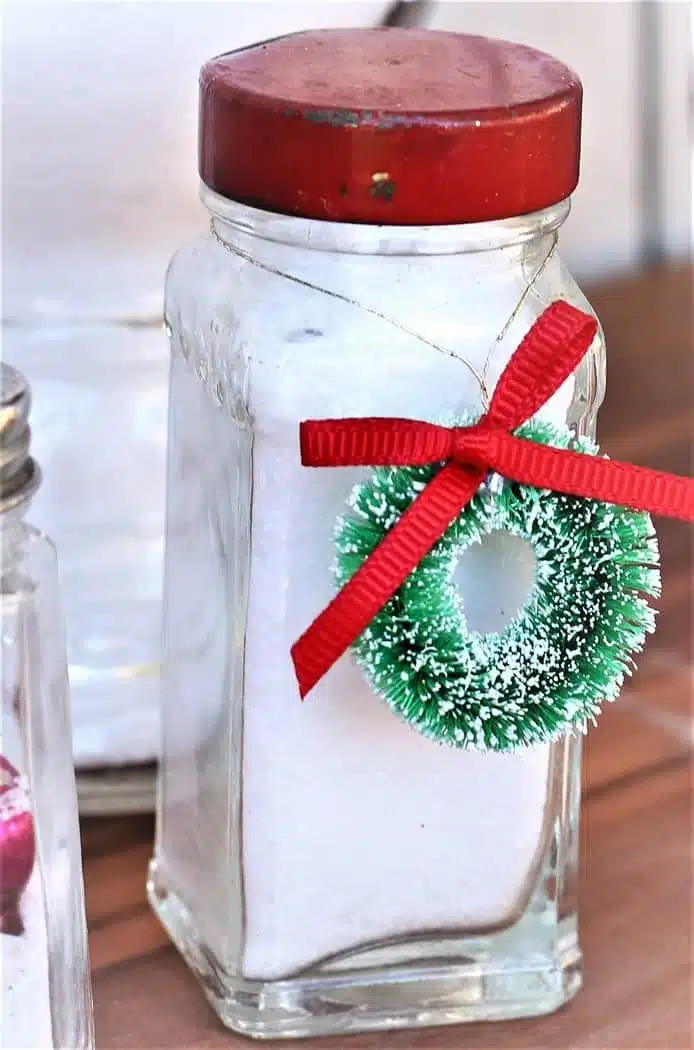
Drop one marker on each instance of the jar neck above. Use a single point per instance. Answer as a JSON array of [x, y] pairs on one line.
[[234, 223], [12, 527]]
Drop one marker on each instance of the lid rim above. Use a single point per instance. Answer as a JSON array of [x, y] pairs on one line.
[[270, 145], [384, 119]]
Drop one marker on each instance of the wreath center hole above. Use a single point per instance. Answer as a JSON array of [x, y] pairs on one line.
[[495, 578]]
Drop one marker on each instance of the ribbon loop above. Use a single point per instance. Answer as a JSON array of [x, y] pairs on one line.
[[550, 352], [373, 442], [544, 360]]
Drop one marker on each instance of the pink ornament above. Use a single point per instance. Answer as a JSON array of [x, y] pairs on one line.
[[17, 846]]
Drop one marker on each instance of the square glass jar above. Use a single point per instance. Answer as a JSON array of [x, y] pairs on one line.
[[322, 867]]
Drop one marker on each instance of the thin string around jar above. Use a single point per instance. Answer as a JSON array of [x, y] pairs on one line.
[[480, 377], [529, 287]]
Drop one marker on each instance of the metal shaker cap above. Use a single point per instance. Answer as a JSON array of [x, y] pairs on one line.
[[19, 474]]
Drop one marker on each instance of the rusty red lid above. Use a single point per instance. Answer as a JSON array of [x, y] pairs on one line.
[[392, 126]]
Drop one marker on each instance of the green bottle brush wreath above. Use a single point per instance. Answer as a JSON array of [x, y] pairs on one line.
[[566, 651]]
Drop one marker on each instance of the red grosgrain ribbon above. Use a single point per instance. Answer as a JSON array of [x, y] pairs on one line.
[[547, 356]]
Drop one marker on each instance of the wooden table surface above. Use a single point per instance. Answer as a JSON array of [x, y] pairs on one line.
[[636, 914]]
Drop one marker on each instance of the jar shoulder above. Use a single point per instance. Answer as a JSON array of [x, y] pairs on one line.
[[188, 272], [266, 283], [320, 332], [572, 292], [28, 549]]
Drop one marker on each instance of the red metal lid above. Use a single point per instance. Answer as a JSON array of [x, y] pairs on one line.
[[392, 126]]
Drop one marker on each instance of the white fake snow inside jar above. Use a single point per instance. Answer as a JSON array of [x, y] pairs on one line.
[[355, 827]]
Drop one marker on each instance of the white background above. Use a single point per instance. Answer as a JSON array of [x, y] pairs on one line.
[[99, 111]]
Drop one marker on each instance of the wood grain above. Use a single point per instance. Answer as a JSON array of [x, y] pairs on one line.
[[648, 413], [636, 911]]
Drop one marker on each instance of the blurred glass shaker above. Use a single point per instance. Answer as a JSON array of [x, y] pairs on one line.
[[45, 992]]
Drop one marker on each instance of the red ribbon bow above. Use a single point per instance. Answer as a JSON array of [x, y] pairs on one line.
[[547, 356]]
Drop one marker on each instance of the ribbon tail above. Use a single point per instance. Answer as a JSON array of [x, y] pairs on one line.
[[383, 572], [578, 474]]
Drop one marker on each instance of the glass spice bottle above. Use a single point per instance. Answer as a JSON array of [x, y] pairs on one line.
[[385, 208], [45, 990]]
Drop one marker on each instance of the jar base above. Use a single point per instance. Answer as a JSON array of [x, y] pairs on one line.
[[526, 970]]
